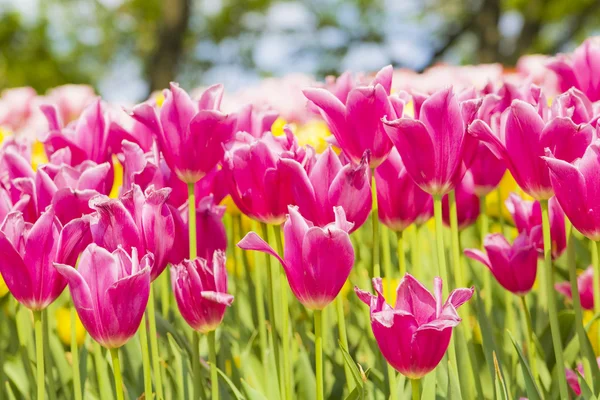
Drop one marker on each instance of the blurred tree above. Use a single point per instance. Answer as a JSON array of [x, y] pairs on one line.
[[199, 41]]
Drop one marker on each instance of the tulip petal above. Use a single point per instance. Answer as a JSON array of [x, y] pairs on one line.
[[254, 242], [415, 299], [15, 272]]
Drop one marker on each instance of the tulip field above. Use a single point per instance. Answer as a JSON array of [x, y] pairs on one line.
[[386, 235]]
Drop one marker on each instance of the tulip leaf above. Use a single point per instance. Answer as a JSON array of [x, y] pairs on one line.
[[533, 392], [428, 385], [305, 374], [355, 394], [589, 324], [501, 389], [586, 392], [251, 393], [352, 365], [454, 389], [487, 337], [238, 395]]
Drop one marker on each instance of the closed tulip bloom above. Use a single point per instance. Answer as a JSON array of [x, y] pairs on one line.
[[578, 190], [191, 135], [414, 335], [486, 170], [522, 140], [136, 220], [258, 183], [400, 201], [579, 69], [329, 184], [439, 132], [356, 123], [316, 261], [211, 234], [585, 287], [110, 292], [514, 267], [467, 203], [200, 288], [527, 216], [27, 254]]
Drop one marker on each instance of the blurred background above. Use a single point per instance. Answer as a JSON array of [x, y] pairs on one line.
[[128, 48]]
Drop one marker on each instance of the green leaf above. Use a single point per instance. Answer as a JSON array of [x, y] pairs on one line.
[[428, 383], [501, 389], [238, 395], [252, 393], [454, 391], [488, 344], [533, 392], [586, 392], [355, 394], [352, 365]]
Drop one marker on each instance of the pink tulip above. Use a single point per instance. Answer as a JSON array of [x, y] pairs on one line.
[[200, 288], [68, 189], [191, 135], [577, 190], [575, 105], [110, 292], [356, 123], [400, 201], [16, 107], [573, 377], [328, 184], [70, 100], [258, 183], [579, 69], [150, 169], [124, 127], [439, 131], [523, 137], [414, 335], [316, 261], [137, 220], [527, 216], [255, 121], [585, 287], [87, 138], [27, 253], [486, 170], [467, 203], [514, 266], [210, 231]]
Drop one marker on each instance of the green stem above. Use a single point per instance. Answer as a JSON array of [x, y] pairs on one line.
[[212, 356], [414, 253], [484, 224], [39, 351], [101, 374], [530, 337], [439, 242], [75, 356], [114, 354], [455, 241], [393, 381], [416, 389], [401, 253], [552, 309], [375, 222], [500, 209], [145, 358], [285, 335], [596, 280], [150, 312], [271, 295], [339, 305], [197, 368], [581, 333], [165, 285], [387, 261], [48, 356], [260, 308], [192, 220], [319, 353]]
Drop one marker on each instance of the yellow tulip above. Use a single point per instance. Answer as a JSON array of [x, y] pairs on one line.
[[63, 327], [3, 287], [38, 156], [118, 182]]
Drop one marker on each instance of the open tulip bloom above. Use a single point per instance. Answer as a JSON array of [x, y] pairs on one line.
[[316, 261], [110, 292], [414, 335]]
